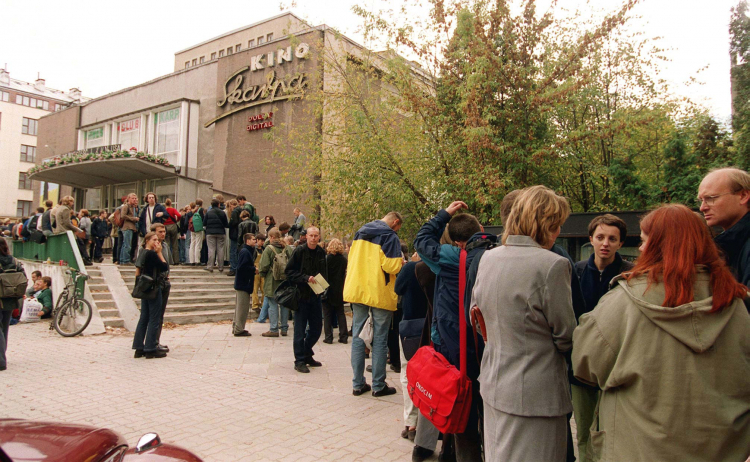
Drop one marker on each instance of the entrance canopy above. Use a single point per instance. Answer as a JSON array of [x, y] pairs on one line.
[[95, 173]]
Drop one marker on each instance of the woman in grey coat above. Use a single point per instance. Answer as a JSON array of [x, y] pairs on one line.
[[523, 291]]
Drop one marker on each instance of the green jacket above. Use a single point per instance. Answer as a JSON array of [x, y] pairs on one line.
[[44, 297], [266, 266], [675, 381]]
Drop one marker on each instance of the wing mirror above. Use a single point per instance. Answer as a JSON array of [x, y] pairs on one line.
[[147, 441]]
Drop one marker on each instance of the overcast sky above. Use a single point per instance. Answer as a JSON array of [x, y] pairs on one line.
[[103, 46]]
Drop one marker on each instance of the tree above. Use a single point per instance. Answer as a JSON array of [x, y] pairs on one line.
[[739, 50]]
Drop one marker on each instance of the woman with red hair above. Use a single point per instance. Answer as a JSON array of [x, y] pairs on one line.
[[669, 347]]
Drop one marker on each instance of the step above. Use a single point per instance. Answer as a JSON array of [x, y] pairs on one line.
[[207, 279], [202, 292], [176, 269], [114, 322], [228, 285], [197, 307], [98, 287], [192, 300], [197, 317], [101, 296], [108, 312], [105, 303]]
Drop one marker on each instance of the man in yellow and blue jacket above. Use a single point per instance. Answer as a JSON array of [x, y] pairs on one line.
[[375, 259]]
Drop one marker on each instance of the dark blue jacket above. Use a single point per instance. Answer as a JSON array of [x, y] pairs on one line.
[[594, 284], [443, 260], [735, 243], [99, 228], [215, 221], [245, 274], [413, 300], [154, 219]]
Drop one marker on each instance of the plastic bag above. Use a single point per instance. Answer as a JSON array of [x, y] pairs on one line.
[[32, 311], [367, 333]]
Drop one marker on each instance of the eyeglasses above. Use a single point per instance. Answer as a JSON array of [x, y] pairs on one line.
[[709, 200]]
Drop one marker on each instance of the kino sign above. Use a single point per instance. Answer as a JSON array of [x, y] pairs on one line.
[[238, 97]]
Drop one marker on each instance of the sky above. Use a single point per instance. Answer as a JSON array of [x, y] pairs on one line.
[[104, 46]]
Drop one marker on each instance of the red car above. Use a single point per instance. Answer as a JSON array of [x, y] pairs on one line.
[[30, 441]]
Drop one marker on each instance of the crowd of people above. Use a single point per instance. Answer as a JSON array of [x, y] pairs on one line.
[[649, 356]]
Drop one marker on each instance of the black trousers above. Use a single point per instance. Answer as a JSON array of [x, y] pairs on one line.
[[116, 247], [330, 314], [309, 313], [394, 344], [164, 299]]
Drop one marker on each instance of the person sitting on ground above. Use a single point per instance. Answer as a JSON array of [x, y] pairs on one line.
[[269, 265], [243, 285], [43, 294], [35, 276]]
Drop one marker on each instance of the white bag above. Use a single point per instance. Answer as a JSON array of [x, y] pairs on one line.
[[367, 333], [32, 311]]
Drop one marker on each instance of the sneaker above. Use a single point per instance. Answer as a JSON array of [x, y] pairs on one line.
[[365, 388], [312, 363], [244, 333], [283, 333], [301, 367], [231, 273], [269, 334], [419, 454], [155, 354], [385, 391]]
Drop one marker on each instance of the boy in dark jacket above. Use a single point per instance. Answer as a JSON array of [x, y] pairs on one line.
[[243, 285]]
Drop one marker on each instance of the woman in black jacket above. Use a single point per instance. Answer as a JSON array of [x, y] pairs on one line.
[[146, 339], [333, 301]]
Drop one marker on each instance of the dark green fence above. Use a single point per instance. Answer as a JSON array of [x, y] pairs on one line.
[[59, 247]]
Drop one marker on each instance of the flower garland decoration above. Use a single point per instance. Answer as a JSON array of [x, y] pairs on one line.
[[77, 157]]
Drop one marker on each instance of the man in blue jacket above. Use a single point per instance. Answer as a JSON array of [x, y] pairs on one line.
[[443, 259], [152, 213]]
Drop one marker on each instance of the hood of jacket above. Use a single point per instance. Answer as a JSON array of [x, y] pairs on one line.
[[370, 231], [692, 323]]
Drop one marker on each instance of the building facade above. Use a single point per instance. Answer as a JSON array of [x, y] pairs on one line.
[[199, 131], [22, 105]]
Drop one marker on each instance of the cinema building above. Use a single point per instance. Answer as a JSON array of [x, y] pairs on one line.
[[199, 131]]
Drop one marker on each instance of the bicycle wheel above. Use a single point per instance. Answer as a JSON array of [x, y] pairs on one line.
[[73, 318]]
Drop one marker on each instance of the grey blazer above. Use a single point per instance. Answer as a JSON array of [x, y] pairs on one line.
[[523, 291]]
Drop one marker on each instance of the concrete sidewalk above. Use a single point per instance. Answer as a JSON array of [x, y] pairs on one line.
[[225, 398]]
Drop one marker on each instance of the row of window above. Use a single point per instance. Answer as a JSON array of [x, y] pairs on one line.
[[30, 102], [235, 49]]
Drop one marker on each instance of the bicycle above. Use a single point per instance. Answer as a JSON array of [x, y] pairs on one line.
[[71, 314]]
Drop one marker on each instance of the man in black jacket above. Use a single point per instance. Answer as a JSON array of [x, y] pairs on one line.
[[306, 262], [215, 226]]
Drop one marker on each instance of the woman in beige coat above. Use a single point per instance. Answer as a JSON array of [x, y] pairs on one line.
[[670, 348], [523, 291]]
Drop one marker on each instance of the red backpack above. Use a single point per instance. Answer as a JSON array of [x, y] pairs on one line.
[[440, 391]]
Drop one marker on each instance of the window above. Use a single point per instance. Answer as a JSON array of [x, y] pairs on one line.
[[260, 40], [32, 102], [229, 51], [202, 59], [269, 37], [28, 153], [195, 61], [187, 64], [221, 53], [45, 106], [95, 138], [24, 182], [168, 134], [4, 96], [251, 43], [23, 209], [213, 56], [59, 107], [28, 126], [237, 48], [130, 132]]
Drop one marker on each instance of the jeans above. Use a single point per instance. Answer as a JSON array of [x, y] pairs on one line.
[[273, 315], [381, 322], [5, 316], [233, 255], [196, 244], [183, 251], [127, 240], [263, 316], [188, 240], [149, 324], [215, 250], [309, 312]]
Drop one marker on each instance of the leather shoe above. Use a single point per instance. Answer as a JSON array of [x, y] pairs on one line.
[[244, 333], [419, 454], [312, 363], [231, 273], [163, 348], [328, 341], [283, 333], [343, 340], [369, 368], [269, 334], [301, 367], [365, 388], [155, 354], [396, 369], [385, 391], [138, 354]]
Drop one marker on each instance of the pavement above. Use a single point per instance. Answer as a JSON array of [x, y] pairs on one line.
[[225, 398]]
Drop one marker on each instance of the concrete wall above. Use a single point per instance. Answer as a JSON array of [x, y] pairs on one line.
[[57, 131]]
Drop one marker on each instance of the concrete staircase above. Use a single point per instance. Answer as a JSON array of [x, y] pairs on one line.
[[196, 296], [103, 298]]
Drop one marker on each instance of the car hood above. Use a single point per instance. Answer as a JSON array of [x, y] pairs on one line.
[[26, 441]]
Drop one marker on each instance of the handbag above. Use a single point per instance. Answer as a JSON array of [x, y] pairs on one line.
[[440, 391], [145, 287], [367, 334], [287, 295], [410, 331]]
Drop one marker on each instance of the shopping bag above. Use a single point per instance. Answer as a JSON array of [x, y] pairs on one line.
[[32, 311]]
